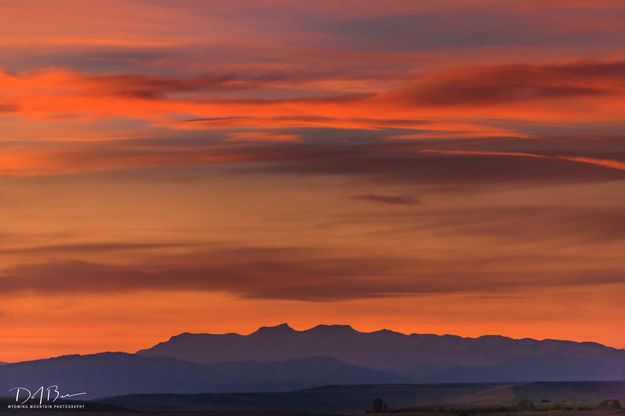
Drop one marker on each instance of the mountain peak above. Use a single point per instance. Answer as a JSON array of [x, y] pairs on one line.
[[337, 329], [283, 328]]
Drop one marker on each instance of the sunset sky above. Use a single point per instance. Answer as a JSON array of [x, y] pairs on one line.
[[443, 166]]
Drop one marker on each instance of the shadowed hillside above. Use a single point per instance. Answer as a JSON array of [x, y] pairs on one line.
[[347, 399], [110, 374]]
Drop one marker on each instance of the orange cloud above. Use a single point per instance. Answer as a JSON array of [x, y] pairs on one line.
[[532, 93], [606, 163]]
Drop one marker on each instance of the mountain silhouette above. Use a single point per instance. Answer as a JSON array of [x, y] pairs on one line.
[[417, 357], [109, 374], [280, 358]]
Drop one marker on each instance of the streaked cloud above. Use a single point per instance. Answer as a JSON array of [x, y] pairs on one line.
[[388, 199], [409, 162], [606, 163], [495, 85]]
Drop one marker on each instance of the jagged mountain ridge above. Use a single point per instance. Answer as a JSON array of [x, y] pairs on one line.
[[418, 357]]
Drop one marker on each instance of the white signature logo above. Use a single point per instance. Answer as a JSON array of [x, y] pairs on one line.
[[49, 394]]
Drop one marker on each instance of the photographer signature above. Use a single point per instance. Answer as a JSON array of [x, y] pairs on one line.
[[48, 394]]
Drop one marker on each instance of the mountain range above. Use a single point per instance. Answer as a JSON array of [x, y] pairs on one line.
[[416, 358], [280, 358]]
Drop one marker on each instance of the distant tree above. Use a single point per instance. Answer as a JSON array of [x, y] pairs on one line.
[[378, 406], [609, 405], [525, 405]]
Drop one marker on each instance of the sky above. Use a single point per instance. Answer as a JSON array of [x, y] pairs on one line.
[[448, 166]]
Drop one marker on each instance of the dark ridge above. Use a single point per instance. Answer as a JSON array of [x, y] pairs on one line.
[[419, 358]]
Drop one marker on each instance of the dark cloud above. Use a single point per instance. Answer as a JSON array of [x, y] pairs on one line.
[[475, 86], [510, 83], [89, 247], [258, 273], [388, 199], [276, 85], [313, 99], [373, 158], [222, 121], [542, 223], [480, 24], [407, 163], [251, 89], [555, 225], [8, 108], [307, 274], [92, 58], [153, 86]]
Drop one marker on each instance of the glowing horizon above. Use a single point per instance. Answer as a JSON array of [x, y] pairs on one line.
[[193, 166]]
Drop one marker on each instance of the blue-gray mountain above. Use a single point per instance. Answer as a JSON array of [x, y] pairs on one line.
[[415, 358], [110, 374]]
